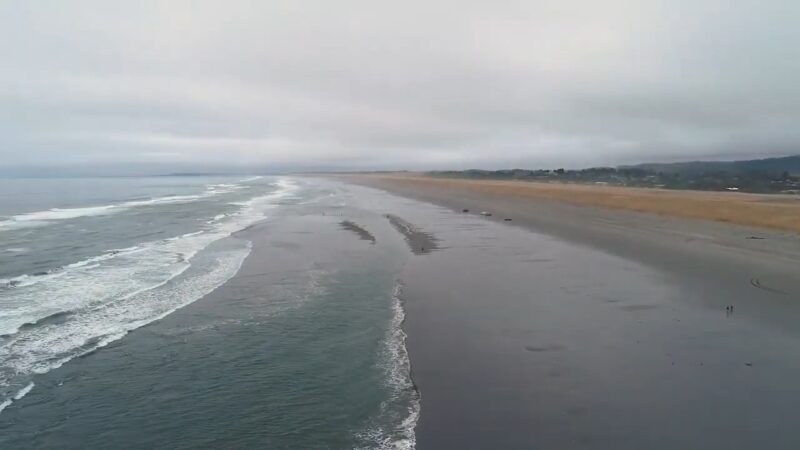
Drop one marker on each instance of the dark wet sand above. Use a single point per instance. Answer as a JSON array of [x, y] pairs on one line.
[[574, 327], [360, 231], [419, 242]]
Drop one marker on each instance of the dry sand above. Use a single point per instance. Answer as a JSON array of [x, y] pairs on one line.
[[768, 211], [669, 242]]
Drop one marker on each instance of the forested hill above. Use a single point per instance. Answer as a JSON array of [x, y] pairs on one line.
[[771, 175], [789, 164]]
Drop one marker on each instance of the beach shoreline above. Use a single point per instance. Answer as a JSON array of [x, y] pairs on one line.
[[551, 325], [545, 325]]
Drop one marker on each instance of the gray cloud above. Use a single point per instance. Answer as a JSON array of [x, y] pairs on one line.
[[357, 84]]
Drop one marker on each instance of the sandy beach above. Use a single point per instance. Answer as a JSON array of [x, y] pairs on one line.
[[581, 214], [586, 327], [778, 212]]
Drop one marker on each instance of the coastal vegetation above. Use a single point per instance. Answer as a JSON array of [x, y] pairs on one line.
[[771, 175]]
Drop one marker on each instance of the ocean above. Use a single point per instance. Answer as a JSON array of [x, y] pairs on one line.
[[192, 311]]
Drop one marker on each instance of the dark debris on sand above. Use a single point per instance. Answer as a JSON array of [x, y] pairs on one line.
[[362, 233], [418, 241]]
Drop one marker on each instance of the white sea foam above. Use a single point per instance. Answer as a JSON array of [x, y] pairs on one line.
[[398, 417], [27, 280], [258, 177], [89, 263], [21, 393], [124, 271], [104, 257], [100, 299], [169, 200], [57, 214], [24, 391], [222, 188]]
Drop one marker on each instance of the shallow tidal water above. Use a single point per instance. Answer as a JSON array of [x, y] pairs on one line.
[[303, 348]]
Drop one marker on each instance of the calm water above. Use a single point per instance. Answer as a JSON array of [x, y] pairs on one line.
[[122, 324]]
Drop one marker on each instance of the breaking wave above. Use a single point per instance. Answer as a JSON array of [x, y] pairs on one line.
[[395, 427], [50, 318], [39, 218]]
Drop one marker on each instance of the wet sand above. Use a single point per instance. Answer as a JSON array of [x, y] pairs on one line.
[[419, 242], [580, 327], [360, 231]]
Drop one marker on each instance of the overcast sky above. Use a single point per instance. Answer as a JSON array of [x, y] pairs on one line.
[[272, 84]]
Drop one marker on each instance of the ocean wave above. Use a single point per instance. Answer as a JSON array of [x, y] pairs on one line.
[[183, 236], [222, 188], [55, 214], [100, 299], [48, 345], [217, 218], [26, 280], [168, 200], [39, 218], [21, 393], [141, 259]]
